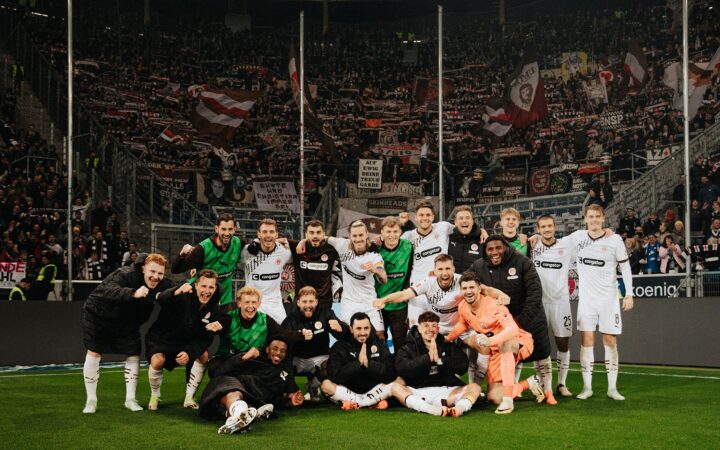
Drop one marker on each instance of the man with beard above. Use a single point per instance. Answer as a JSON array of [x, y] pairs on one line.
[[514, 274], [360, 369], [242, 385], [432, 369], [264, 269], [219, 253], [361, 266], [442, 292], [114, 312], [499, 338], [428, 240], [314, 267], [248, 330], [465, 246], [188, 320], [310, 357]]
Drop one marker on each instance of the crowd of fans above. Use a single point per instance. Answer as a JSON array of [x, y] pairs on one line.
[[136, 79], [33, 205]]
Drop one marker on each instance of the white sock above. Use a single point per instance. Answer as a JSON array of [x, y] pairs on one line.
[[344, 394], [196, 376], [132, 373], [91, 373], [587, 360], [518, 372], [563, 364], [418, 404], [481, 367], [156, 378], [463, 405], [543, 368], [611, 364], [237, 408], [374, 395]]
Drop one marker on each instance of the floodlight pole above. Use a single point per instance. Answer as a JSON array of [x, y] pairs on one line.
[[441, 177], [69, 146], [302, 121], [686, 139]]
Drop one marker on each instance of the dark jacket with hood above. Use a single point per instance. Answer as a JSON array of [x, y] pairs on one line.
[[320, 343], [465, 249], [344, 368], [412, 362], [112, 301], [516, 276]]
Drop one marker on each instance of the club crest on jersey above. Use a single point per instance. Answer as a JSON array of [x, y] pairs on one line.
[[560, 252], [278, 261], [318, 325], [512, 271], [483, 326], [436, 236], [474, 247], [373, 348], [603, 249], [324, 258]]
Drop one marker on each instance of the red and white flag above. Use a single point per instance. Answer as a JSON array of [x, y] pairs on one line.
[[496, 119], [699, 78], [222, 111], [195, 90], [635, 64], [527, 94], [171, 135]]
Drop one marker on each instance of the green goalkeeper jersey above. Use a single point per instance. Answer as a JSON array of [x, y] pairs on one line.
[[398, 265]]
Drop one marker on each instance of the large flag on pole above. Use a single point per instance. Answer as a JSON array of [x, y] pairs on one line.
[[636, 66], [699, 77], [221, 111], [311, 119], [527, 94], [497, 122]]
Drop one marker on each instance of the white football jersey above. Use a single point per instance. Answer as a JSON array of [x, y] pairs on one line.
[[552, 264], [358, 283], [264, 271], [443, 302], [597, 261], [426, 248]]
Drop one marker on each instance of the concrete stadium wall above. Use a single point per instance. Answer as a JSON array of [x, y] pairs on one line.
[[666, 331]]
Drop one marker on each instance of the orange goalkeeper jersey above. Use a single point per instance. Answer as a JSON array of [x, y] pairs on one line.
[[490, 319]]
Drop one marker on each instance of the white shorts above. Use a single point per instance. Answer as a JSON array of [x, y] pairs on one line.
[[348, 308], [436, 394], [604, 317], [416, 306], [559, 318], [276, 310], [308, 366]]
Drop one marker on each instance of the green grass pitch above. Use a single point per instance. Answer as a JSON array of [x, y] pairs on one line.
[[665, 408]]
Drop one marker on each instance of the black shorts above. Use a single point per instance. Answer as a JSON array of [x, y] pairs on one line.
[[107, 337]]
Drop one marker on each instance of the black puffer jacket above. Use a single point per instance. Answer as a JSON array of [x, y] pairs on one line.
[[112, 300], [516, 276], [412, 362], [465, 249], [344, 368]]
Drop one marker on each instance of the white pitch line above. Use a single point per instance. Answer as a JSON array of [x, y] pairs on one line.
[[54, 374], [669, 375]]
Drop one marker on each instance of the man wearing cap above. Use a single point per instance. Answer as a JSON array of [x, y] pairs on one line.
[[19, 292]]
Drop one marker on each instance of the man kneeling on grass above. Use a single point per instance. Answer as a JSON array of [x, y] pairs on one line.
[[185, 328], [432, 369], [359, 367], [244, 390]]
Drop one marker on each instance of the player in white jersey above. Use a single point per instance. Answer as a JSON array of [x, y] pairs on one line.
[[441, 292], [429, 240], [597, 259], [360, 268], [552, 258], [264, 270]]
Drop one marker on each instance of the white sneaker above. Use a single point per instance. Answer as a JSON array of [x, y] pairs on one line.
[[615, 395], [585, 394], [506, 406], [536, 388], [90, 407], [265, 411], [133, 405], [190, 403], [235, 424], [563, 391]]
